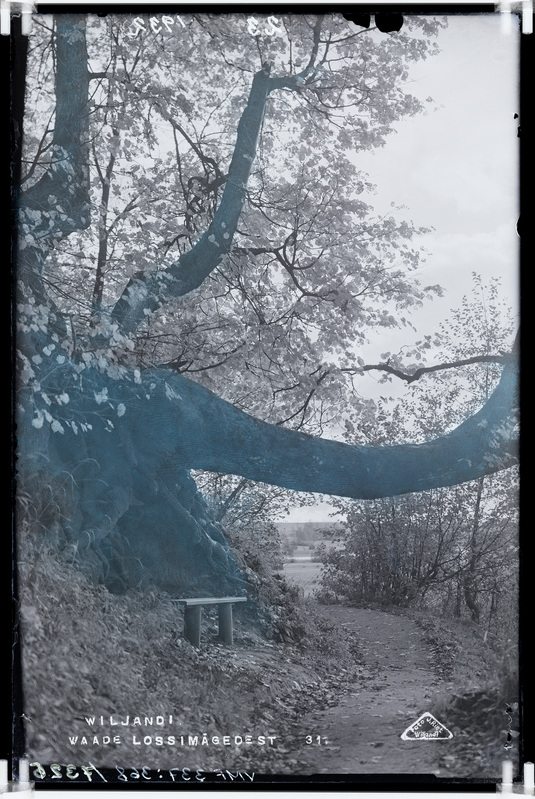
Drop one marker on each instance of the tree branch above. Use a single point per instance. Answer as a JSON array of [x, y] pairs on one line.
[[67, 179], [198, 430], [146, 292], [423, 370], [59, 203]]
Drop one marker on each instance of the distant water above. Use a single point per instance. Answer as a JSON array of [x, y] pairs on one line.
[[298, 557]]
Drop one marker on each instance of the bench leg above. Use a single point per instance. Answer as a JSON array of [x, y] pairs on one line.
[[192, 624], [225, 624]]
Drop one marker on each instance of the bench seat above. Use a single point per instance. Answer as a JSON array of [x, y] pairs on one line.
[[192, 616]]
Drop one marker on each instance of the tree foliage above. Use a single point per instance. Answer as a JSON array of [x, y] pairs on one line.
[[198, 264], [453, 549]]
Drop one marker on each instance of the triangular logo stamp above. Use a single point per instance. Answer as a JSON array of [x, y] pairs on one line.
[[426, 728]]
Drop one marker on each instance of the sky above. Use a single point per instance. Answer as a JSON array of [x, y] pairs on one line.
[[456, 170], [456, 167]]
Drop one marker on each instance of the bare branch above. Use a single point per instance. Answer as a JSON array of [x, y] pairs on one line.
[[423, 370]]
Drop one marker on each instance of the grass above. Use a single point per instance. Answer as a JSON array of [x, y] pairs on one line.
[[304, 574], [482, 707]]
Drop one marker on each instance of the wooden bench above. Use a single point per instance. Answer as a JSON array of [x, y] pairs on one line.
[[192, 616]]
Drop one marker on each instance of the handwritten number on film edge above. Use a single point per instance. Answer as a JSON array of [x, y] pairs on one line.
[[256, 27], [125, 775]]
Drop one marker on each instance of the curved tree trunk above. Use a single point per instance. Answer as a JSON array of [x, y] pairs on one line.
[[119, 445], [130, 469]]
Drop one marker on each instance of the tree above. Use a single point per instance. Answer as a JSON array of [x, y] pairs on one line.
[[455, 549], [251, 215]]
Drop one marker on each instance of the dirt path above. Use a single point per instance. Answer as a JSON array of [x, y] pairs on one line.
[[361, 735]]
